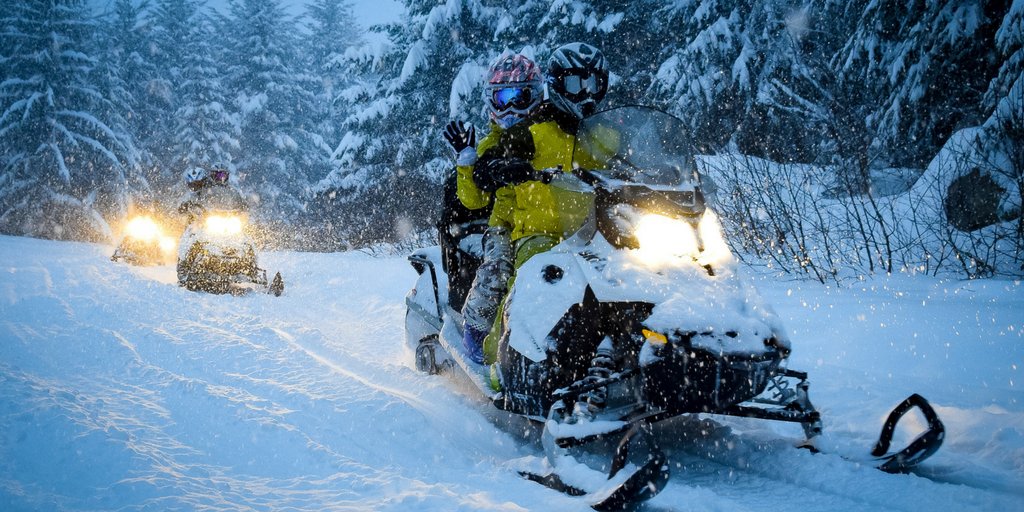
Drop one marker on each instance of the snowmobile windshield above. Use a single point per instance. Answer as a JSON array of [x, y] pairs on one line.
[[223, 198], [637, 145]]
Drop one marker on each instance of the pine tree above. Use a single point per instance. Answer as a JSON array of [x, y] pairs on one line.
[[205, 126], [127, 40], [391, 158], [708, 72], [333, 31], [64, 155], [275, 106], [175, 26], [924, 67]]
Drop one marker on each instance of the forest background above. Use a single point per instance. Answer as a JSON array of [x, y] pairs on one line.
[[836, 137]]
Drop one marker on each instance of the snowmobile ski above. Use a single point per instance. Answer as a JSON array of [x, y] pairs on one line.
[[922, 447], [903, 461], [636, 472]]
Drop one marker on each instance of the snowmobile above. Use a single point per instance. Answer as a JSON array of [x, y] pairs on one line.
[[144, 243], [640, 316], [216, 254]]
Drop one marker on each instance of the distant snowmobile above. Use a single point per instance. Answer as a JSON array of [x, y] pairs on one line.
[[144, 243], [217, 255], [640, 316]]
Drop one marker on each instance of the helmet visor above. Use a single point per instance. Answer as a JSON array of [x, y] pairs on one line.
[[518, 98]]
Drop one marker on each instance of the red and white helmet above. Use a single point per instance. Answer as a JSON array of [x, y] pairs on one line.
[[513, 90]]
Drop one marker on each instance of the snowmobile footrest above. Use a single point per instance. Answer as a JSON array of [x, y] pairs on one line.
[[794, 416]]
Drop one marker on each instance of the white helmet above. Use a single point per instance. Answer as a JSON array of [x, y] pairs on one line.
[[577, 78], [196, 177]]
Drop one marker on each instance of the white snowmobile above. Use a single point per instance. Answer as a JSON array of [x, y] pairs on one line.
[[638, 317], [144, 243], [216, 254]]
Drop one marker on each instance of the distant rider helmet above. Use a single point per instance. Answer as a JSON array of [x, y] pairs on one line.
[[577, 78], [514, 89], [219, 175], [196, 178]]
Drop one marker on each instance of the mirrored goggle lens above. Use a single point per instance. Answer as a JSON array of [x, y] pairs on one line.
[[574, 84], [512, 97], [220, 176]]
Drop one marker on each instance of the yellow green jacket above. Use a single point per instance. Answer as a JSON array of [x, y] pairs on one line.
[[467, 191], [535, 208]]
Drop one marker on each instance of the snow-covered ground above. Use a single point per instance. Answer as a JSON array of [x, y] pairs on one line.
[[121, 391]]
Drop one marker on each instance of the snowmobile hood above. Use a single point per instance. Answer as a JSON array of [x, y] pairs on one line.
[[686, 298]]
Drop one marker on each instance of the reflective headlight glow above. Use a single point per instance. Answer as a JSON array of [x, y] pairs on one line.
[[168, 244], [716, 250], [224, 224], [142, 228]]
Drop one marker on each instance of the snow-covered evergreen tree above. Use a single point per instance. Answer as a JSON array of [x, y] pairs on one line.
[[708, 70], [195, 122], [273, 97], [925, 67], [126, 60], [333, 31], [391, 159], [205, 127], [65, 156]]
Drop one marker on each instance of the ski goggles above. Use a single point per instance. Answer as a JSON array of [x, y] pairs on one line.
[[575, 84], [220, 176], [514, 98]]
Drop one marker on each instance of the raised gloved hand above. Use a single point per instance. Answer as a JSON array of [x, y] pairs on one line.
[[490, 174], [463, 141]]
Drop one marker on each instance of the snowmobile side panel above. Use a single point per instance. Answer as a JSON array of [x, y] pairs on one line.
[[547, 285]]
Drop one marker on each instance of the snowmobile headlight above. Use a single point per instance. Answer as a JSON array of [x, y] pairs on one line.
[[142, 228], [167, 244], [664, 239], [224, 224]]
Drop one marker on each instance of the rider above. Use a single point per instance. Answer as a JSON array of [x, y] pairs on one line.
[[209, 187], [538, 215], [535, 215], [197, 179], [513, 92], [466, 206]]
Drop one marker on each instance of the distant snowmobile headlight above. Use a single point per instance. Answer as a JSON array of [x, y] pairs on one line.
[[663, 239], [142, 228], [167, 244], [224, 224]]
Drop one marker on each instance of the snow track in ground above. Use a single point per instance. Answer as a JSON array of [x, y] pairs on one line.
[[120, 390]]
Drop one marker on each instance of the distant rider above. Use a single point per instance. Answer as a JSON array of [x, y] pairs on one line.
[[209, 188]]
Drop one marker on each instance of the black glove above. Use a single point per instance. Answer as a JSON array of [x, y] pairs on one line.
[[490, 174], [459, 137]]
